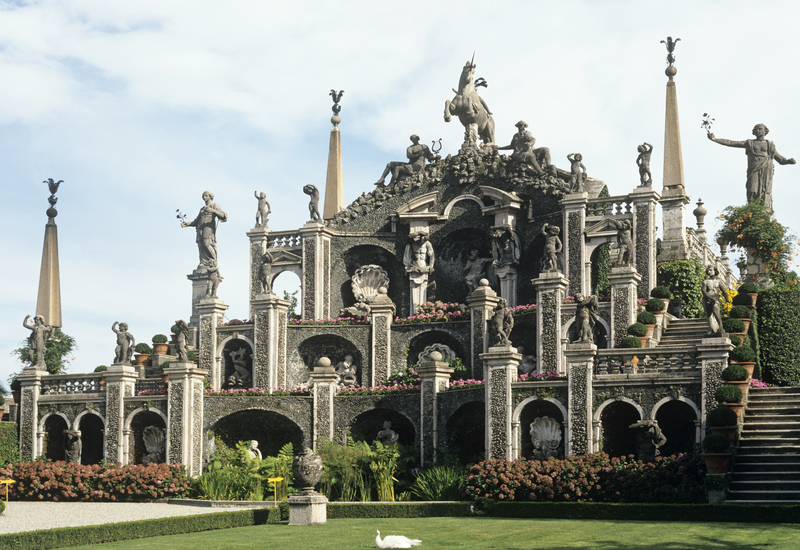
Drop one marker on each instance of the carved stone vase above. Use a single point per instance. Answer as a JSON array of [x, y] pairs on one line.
[[307, 469]]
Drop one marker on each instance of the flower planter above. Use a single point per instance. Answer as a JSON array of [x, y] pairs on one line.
[[717, 463], [650, 329], [739, 334], [742, 385], [753, 297], [16, 395], [728, 432], [746, 324], [643, 340], [160, 349], [737, 408], [164, 377], [749, 367], [141, 358]]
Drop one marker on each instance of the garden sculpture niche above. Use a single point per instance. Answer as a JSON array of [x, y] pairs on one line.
[[585, 318], [366, 283], [71, 443], [506, 247], [760, 154], [347, 372], [155, 444], [125, 344], [546, 437], [447, 354], [577, 173], [182, 338], [418, 260], [470, 108], [643, 162], [265, 274], [37, 340], [501, 324], [241, 375], [624, 242], [253, 452], [474, 270], [522, 145], [649, 439], [711, 294], [551, 261], [313, 203], [206, 224], [387, 436], [417, 154], [264, 209]]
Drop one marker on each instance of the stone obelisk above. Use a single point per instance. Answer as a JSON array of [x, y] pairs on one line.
[[48, 302], [334, 183]]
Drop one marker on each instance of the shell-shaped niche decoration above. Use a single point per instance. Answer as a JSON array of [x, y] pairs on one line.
[[367, 280], [447, 353], [546, 437]]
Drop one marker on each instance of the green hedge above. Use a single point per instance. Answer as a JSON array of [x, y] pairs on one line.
[[9, 443], [738, 513], [113, 532], [778, 347], [685, 279], [342, 510]]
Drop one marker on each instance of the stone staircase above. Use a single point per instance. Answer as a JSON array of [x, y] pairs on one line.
[[767, 468], [682, 332]]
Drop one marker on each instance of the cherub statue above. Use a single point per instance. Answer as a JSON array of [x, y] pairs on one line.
[[265, 273], [643, 162], [551, 260], [577, 172], [624, 242], [313, 204], [37, 340], [501, 324], [241, 375], [711, 296], [264, 209], [347, 372], [125, 344], [585, 318], [214, 279], [182, 337]]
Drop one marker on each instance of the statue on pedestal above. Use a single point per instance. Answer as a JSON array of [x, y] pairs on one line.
[[577, 173], [711, 295], [474, 269], [506, 247], [522, 145], [501, 324], [182, 337], [624, 242], [264, 209], [72, 446], [649, 438], [37, 340], [643, 162], [206, 224], [347, 372], [418, 260], [313, 203], [585, 318], [265, 274], [125, 344], [417, 153], [551, 261], [470, 108]]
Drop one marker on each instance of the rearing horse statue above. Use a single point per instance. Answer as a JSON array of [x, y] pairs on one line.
[[470, 108]]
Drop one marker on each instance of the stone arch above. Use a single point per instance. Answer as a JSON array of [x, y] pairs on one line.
[[679, 420], [332, 346], [134, 424], [602, 332], [526, 411], [612, 419], [287, 283], [366, 425], [271, 429], [452, 203], [452, 251], [236, 343], [466, 432], [92, 426], [437, 336], [594, 269], [51, 430]]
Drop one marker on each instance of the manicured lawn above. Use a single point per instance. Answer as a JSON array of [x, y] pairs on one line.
[[488, 533]]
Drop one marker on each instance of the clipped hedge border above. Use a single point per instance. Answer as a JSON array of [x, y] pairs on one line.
[[730, 513], [346, 510], [115, 532]]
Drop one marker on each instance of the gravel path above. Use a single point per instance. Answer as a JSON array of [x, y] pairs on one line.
[[32, 516]]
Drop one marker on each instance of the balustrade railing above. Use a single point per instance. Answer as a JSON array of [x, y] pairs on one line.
[[72, 384], [617, 206], [150, 385], [677, 359], [285, 239]]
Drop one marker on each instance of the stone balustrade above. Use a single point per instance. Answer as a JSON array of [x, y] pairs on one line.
[[73, 384], [285, 239], [614, 207], [671, 359]]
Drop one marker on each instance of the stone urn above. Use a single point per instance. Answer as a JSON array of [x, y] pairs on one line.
[[307, 469]]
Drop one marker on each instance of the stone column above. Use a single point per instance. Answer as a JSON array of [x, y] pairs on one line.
[[269, 355], [644, 201], [550, 289], [675, 244], [259, 237], [580, 371], [31, 386], [435, 375], [713, 357], [501, 364], [185, 414], [574, 255], [481, 302], [383, 310], [508, 283], [120, 381], [624, 281], [211, 312], [323, 379], [316, 270]]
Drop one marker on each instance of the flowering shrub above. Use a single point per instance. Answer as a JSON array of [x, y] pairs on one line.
[[408, 375], [552, 375], [436, 312], [756, 383], [467, 384], [590, 478], [152, 392], [280, 391], [330, 321], [48, 480], [522, 310], [235, 322], [377, 390]]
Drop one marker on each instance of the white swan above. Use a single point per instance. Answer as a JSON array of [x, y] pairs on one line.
[[395, 541]]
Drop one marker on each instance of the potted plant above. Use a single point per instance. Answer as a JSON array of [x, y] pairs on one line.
[[160, 345], [723, 421], [662, 293], [655, 305], [174, 333], [639, 331], [736, 375], [716, 453], [744, 356], [647, 319], [16, 388], [100, 368], [735, 339], [164, 375], [631, 342], [733, 326], [742, 313], [730, 396], [748, 293], [143, 352]]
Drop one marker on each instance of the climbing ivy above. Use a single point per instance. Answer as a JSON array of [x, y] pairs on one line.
[[685, 279]]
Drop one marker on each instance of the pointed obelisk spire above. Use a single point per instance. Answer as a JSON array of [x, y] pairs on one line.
[[334, 183], [674, 245], [48, 302]]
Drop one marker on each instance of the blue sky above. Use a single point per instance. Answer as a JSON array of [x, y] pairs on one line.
[[141, 106]]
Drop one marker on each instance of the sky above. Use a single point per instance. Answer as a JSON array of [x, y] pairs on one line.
[[141, 106]]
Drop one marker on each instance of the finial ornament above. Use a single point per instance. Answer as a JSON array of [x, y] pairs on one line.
[[53, 186], [670, 43], [337, 97]]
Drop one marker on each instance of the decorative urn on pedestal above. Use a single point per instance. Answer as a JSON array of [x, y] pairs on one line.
[[307, 470]]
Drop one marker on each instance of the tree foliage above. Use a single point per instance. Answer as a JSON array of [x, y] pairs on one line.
[[685, 279], [56, 355], [778, 318]]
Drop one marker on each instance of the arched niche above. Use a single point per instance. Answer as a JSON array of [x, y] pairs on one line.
[[368, 254], [334, 347], [466, 432], [365, 426], [598, 271], [601, 332], [677, 420], [615, 417], [452, 251], [237, 351], [433, 336], [92, 429], [286, 281], [53, 426], [138, 421], [531, 409], [270, 429]]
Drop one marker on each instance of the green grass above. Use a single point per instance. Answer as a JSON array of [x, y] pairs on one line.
[[484, 533]]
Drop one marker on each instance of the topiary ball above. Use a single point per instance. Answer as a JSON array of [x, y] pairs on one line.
[[630, 342], [734, 373], [722, 417], [728, 394], [646, 318], [141, 347], [654, 304], [742, 300], [739, 312], [743, 354], [732, 325], [637, 329], [735, 340], [160, 339], [749, 288], [661, 292], [100, 368], [716, 443]]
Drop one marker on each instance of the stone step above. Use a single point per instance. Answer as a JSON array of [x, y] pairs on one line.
[[775, 432], [777, 486], [792, 389], [758, 467], [770, 442], [764, 496], [791, 478], [760, 410], [768, 449], [777, 398], [745, 458]]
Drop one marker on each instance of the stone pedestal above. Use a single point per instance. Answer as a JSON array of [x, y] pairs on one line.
[[574, 253], [259, 237], [713, 357], [580, 368], [316, 270], [481, 302], [508, 283], [434, 377], [624, 282], [269, 355], [211, 313], [308, 509], [550, 289], [185, 413], [120, 382], [644, 237], [500, 364], [323, 389], [383, 310], [674, 245], [31, 386]]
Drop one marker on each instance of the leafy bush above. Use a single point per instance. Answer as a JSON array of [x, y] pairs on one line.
[[749, 288], [637, 329], [592, 477], [743, 354], [654, 304], [442, 482], [630, 342], [9, 443], [716, 443], [160, 339], [661, 292], [646, 318], [141, 347], [15, 384], [48, 480], [408, 376], [735, 340], [741, 300], [459, 369], [732, 325], [165, 365], [778, 315], [734, 373], [100, 368], [684, 278], [739, 312], [56, 353], [728, 394], [722, 417]]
